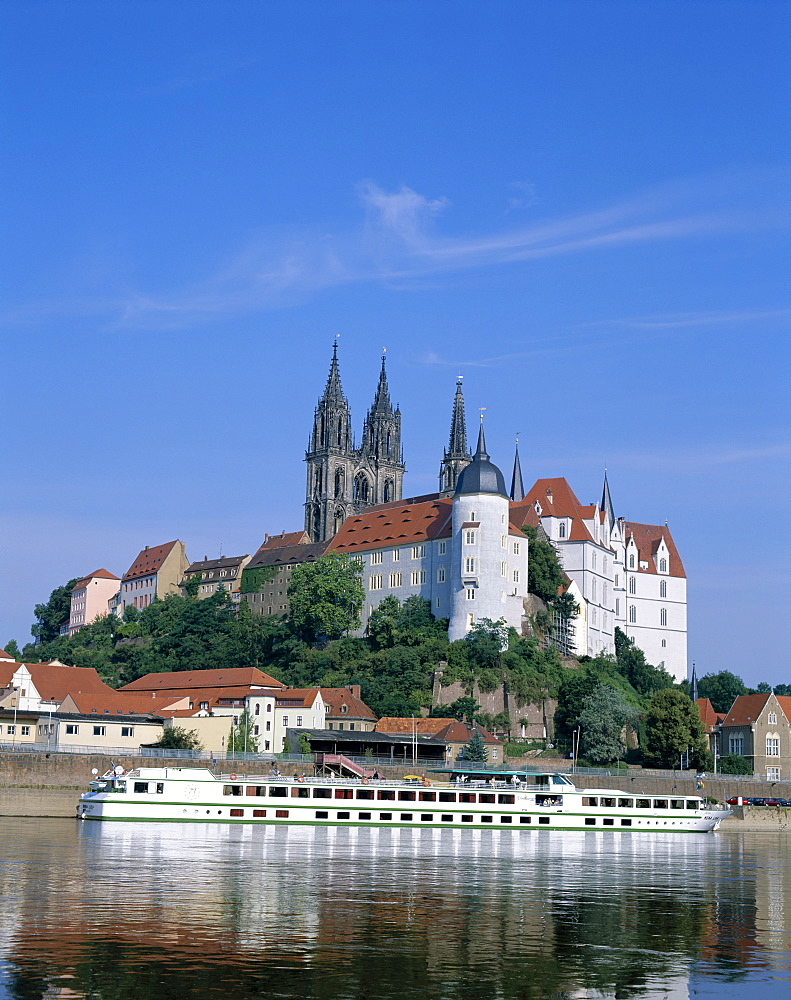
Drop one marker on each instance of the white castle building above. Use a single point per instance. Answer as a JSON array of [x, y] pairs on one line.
[[463, 548]]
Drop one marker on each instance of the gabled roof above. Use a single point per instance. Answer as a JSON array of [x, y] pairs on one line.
[[149, 560], [449, 730], [748, 707], [305, 696], [708, 716], [55, 681], [224, 562], [112, 702], [283, 555], [394, 524], [336, 698], [6, 656], [647, 538], [99, 574], [185, 680], [286, 538]]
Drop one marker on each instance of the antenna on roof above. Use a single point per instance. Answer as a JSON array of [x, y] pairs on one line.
[[482, 409]]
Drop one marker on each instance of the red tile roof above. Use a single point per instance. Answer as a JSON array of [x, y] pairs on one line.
[[184, 680], [286, 538], [55, 681], [745, 709], [6, 656], [394, 524], [306, 696], [336, 698], [101, 574], [149, 560], [647, 538], [708, 716], [450, 730]]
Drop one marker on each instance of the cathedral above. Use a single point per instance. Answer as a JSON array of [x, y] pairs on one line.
[[463, 548]]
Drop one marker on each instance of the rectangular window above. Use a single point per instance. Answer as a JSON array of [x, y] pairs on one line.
[[406, 796], [376, 558], [466, 818], [396, 555], [625, 803], [660, 804], [259, 813], [428, 796], [418, 551], [322, 793], [772, 747], [128, 731], [385, 815], [281, 813], [395, 580], [71, 729], [469, 564], [543, 820], [505, 800], [487, 819], [322, 815], [237, 812], [590, 822], [417, 577], [25, 730], [299, 721], [300, 793], [506, 819], [772, 719], [365, 793], [626, 822], [470, 593], [385, 793], [426, 817], [277, 792], [643, 803], [736, 745], [441, 574], [140, 787], [446, 818], [516, 548], [469, 537], [344, 815], [11, 730], [608, 821], [99, 730], [516, 576], [405, 817], [469, 797], [363, 815], [773, 774], [285, 720], [447, 796], [442, 548], [344, 793], [375, 582], [693, 803], [485, 797], [524, 819]]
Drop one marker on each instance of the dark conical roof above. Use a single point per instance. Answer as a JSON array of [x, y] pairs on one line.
[[606, 500], [333, 390], [517, 489], [481, 475]]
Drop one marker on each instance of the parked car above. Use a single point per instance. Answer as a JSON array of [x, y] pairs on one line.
[[755, 802]]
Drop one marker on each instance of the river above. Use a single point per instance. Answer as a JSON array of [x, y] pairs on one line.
[[114, 911]]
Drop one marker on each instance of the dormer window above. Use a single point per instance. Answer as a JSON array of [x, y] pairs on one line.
[[562, 530], [344, 709], [631, 561], [663, 565]]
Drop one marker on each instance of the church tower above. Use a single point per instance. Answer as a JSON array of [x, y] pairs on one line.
[[457, 455], [341, 478], [330, 458], [379, 474]]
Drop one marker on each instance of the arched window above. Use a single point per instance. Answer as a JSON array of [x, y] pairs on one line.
[[388, 491], [388, 442], [631, 562], [340, 482], [663, 616], [562, 530], [361, 488], [319, 481], [632, 613], [663, 565], [663, 588], [321, 431], [340, 432], [632, 585]]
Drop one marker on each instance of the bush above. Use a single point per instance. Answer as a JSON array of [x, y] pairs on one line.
[[732, 763]]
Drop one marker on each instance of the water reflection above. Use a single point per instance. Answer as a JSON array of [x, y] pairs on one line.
[[128, 910]]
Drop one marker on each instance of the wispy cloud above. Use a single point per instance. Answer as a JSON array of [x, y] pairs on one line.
[[398, 241]]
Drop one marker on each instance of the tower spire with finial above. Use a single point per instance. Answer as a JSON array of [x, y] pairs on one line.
[[517, 488], [457, 455]]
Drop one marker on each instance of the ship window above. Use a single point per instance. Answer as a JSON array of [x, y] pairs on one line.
[[300, 793], [365, 793], [608, 821], [237, 812], [344, 815], [589, 801], [385, 815], [277, 791], [322, 793], [140, 786], [447, 796], [446, 818], [487, 819], [281, 813], [544, 820], [505, 800], [160, 788], [406, 796], [625, 803], [467, 797], [589, 821], [344, 793], [259, 813], [322, 815], [626, 822], [506, 819], [693, 803], [406, 817], [485, 797], [524, 819], [660, 804], [385, 793], [364, 815], [609, 803], [466, 819], [426, 817], [428, 796], [676, 803], [256, 790], [643, 803]]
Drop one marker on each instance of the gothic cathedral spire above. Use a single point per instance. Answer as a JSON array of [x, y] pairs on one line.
[[457, 454], [517, 489]]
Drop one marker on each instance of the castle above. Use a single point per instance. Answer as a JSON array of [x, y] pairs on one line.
[[463, 548]]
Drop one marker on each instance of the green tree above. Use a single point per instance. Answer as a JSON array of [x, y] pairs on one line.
[[632, 664], [461, 709], [13, 649], [475, 749], [732, 763], [604, 715], [241, 738], [192, 587], [384, 623], [326, 597], [304, 743], [544, 572], [575, 687], [721, 689], [783, 689], [178, 738], [673, 727], [50, 617]]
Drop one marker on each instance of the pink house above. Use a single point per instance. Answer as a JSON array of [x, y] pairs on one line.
[[89, 598]]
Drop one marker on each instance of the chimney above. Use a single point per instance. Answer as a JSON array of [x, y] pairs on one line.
[[355, 690]]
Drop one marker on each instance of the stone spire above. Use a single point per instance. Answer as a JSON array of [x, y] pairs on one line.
[[517, 489], [606, 501], [456, 456], [333, 391]]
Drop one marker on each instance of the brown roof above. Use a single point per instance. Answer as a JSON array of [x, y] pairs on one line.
[[450, 730], [55, 681], [394, 524], [336, 698], [6, 656], [304, 695], [101, 574], [708, 716], [286, 538], [224, 562], [112, 702], [184, 680], [647, 538], [563, 503], [283, 555], [747, 707], [149, 560]]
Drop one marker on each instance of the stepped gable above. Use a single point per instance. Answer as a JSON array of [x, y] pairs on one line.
[[184, 680], [149, 561], [336, 698], [101, 574], [647, 538], [394, 524]]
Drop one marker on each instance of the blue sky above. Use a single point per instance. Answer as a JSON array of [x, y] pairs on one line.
[[582, 207]]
